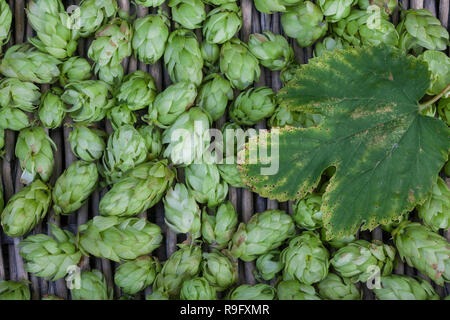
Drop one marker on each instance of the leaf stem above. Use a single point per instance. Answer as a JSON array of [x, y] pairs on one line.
[[435, 98]]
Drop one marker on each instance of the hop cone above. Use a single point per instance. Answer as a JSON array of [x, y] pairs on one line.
[[270, 6], [187, 137], [435, 212], [182, 58], [93, 14], [13, 119], [401, 287], [197, 289], [420, 29], [264, 232], [74, 186], [55, 33], [188, 13], [260, 291], [218, 229], [137, 91], [150, 37], [336, 10], [171, 103], [214, 95], [90, 99], [222, 23], [74, 69], [136, 275], [230, 174], [305, 259], [294, 290], [86, 143], [125, 150], [12, 290], [93, 286], [25, 209], [334, 287], [140, 189], [118, 239], [26, 63], [182, 213], [305, 23], [329, 43], [153, 142], [359, 260], [439, 66], [253, 105], [307, 214], [238, 64], [289, 72], [210, 54], [220, 271], [50, 257], [112, 75], [182, 265], [120, 116], [18, 94], [150, 3], [424, 250], [203, 182], [52, 108], [268, 265], [5, 22], [34, 149], [273, 51]]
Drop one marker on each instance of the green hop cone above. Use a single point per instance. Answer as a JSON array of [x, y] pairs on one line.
[[50, 257], [305, 259], [153, 142], [307, 214], [5, 23], [120, 116], [387, 5], [52, 24], [238, 64], [360, 260], [139, 189], [329, 43], [93, 14], [222, 23], [260, 291], [273, 51], [187, 138], [125, 149], [12, 290], [188, 13], [289, 72], [305, 23], [264, 232], [52, 108], [439, 66], [210, 54], [337, 242], [182, 214], [197, 289], [112, 44], [268, 265], [86, 143], [217, 229], [294, 290], [34, 149], [214, 95], [92, 286], [401, 287], [13, 119], [171, 103], [26, 209], [74, 186], [424, 250], [419, 29], [219, 269], [270, 6], [136, 275], [183, 58], [26, 63], [17, 94], [336, 10], [229, 173], [150, 3], [150, 37], [253, 105], [435, 212], [137, 91], [90, 100], [119, 239], [112, 75], [182, 265], [334, 287]]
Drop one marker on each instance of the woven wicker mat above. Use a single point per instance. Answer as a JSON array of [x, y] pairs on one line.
[[245, 202]]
